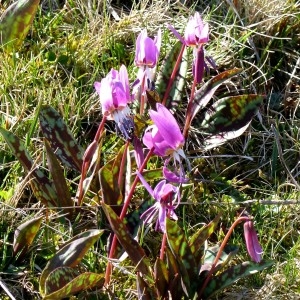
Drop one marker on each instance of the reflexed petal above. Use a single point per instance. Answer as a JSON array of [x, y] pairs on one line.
[[125, 81], [167, 126]]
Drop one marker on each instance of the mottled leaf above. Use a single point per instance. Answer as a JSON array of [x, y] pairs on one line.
[[24, 235], [43, 188], [230, 114], [161, 276], [60, 138], [232, 274], [80, 283], [198, 239], [57, 173], [15, 23], [206, 92], [130, 245], [181, 250], [174, 96], [70, 255]]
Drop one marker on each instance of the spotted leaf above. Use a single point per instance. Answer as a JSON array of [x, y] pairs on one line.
[[232, 274], [197, 241], [57, 173], [15, 23], [230, 113], [60, 138], [203, 96], [24, 236], [43, 188], [63, 282], [161, 277], [184, 256], [71, 254], [130, 245]]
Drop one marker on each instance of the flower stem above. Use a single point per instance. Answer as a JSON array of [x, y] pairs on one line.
[[163, 246], [172, 78], [219, 253], [123, 214]]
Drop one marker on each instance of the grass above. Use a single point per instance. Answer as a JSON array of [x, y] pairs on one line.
[[69, 48]]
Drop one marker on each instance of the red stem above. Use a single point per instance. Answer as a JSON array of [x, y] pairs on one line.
[[163, 246], [123, 214], [173, 74], [236, 222]]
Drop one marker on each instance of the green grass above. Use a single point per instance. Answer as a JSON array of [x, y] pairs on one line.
[[67, 50]]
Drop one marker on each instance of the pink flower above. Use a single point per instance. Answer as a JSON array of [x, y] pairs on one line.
[[114, 96], [165, 135], [253, 247], [196, 32], [146, 57], [167, 199], [147, 50], [167, 140]]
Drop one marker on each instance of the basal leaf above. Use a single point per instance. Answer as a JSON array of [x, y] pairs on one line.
[[82, 282], [198, 239], [232, 274], [70, 255], [43, 188], [230, 114], [111, 193], [15, 23], [210, 254], [130, 245], [206, 92], [143, 290], [57, 173], [58, 278], [161, 276], [175, 94], [24, 235], [181, 250], [60, 138]]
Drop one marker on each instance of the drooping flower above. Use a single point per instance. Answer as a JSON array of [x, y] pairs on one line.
[[114, 96], [253, 247], [146, 57], [166, 139], [167, 199]]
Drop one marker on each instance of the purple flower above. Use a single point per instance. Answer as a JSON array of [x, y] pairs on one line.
[[147, 50], [167, 199], [114, 96], [196, 32], [146, 57], [167, 140], [165, 135], [253, 247]]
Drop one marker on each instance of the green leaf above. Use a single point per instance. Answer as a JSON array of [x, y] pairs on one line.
[[210, 254], [184, 256], [43, 188], [230, 113], [130, 245], [175, 94], [206, 92], [15, 23], [198, 239], [232, 274], [71, 285], [24, 236], [63, 195], [109, 175], [60, 138], [70, 255]]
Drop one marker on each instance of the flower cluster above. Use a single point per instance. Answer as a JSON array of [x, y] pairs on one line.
[[163, 137]]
